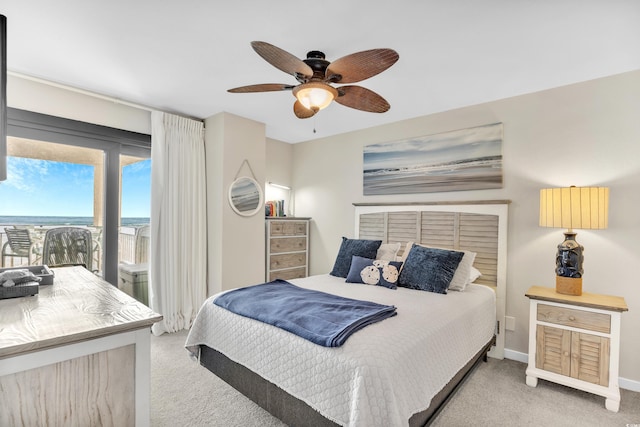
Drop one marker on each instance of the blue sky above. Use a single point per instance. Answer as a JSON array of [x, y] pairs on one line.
[[46, 188]]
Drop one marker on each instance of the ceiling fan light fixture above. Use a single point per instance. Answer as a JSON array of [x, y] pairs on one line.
[[315, 95]]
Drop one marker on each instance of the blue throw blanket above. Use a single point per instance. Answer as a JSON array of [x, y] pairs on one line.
[[319, 317]]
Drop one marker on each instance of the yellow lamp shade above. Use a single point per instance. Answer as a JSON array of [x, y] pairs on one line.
[[574, 207]]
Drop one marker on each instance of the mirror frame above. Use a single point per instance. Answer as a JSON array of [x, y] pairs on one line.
[[245, 186]]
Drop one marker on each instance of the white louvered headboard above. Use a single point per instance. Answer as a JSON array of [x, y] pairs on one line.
[[478, 226]]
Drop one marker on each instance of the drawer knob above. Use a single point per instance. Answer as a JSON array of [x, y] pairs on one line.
[[572, 318]]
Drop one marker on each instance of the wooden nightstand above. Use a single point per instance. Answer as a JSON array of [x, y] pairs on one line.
[[575, 341]]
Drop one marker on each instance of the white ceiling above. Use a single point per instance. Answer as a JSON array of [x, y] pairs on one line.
[[182, 56]]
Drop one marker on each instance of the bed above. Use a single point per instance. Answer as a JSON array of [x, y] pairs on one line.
[[399, 371]]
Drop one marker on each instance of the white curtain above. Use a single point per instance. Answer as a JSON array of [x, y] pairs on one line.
[[178, 268]]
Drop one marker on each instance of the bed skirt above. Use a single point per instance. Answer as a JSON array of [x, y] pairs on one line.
[[293, 411]]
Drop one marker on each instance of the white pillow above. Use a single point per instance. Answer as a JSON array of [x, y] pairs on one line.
[[388, 251], [475, 274], [462, 276]]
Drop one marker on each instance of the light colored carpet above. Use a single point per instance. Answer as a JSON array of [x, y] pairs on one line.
[[496, 394], [183, 393]]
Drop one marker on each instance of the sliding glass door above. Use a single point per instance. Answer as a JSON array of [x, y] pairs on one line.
[[83, 174], [135, 212], [50, 185]]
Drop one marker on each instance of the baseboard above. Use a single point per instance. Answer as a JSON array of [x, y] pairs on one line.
[[516, 355], [628, 384], [624, 383]]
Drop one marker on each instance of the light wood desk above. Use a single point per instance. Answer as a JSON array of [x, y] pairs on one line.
[[78, 353]]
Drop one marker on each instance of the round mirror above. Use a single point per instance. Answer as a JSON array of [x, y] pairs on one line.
[[245, 196]]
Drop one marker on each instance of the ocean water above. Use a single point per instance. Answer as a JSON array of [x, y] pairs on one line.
[[64, 220], [471, 174]]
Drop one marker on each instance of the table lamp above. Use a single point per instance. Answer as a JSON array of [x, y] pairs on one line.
[[573, 207]]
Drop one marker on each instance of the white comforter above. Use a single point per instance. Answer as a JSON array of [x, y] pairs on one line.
[[384, 373]]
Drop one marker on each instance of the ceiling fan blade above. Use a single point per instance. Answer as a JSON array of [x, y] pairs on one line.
[[281, 59], [361, 98], [301, 111], [264, 87], [361, 65]]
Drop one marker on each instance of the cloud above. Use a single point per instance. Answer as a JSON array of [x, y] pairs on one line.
[[441, 141], [26, 174]]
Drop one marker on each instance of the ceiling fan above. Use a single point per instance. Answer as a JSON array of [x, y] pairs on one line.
[[316, 74]]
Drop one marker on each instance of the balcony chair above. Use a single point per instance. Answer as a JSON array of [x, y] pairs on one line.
[[19, 244], [65, 246]]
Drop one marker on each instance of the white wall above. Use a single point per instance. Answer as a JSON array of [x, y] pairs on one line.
[[582, 134]]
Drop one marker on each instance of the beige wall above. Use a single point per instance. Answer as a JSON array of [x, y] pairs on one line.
[[583, 134], [236, 243], [279, 160], [43, 98]]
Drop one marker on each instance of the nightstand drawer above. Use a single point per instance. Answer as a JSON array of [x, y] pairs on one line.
[[591, 321]]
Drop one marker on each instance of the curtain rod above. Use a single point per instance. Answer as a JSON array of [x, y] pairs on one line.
[[92, 94]]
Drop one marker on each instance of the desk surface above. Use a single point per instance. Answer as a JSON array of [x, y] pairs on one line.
[[77, 307]]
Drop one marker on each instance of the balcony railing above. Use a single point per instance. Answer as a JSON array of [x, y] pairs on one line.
[[133, 246]]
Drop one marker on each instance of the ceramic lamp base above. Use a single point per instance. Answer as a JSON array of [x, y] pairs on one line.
[[569, 285]]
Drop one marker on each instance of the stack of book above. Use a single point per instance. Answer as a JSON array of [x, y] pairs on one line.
[[274, 208]]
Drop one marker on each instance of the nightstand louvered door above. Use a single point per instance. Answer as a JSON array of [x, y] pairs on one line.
[[575, 354]]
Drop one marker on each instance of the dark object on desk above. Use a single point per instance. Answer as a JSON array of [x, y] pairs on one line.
[[29, 288], [19, 290], [42, 271]]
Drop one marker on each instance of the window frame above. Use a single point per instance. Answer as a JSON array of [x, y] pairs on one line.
[[113, 142]]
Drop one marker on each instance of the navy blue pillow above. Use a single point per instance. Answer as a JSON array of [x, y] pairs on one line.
[[429, 269], [349, 248], [374, 272]]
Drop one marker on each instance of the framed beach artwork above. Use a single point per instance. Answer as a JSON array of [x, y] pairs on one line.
[[465, 159]]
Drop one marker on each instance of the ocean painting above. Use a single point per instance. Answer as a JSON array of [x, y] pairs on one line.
[[465, 159]]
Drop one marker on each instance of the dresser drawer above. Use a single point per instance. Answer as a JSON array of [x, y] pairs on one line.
[[288, 244], [288, 228], [278, 262], [294, 273], [598, 322]]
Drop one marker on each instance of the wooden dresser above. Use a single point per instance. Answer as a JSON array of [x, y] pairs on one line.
[[77, 353], [575, 341], [287, 248]]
